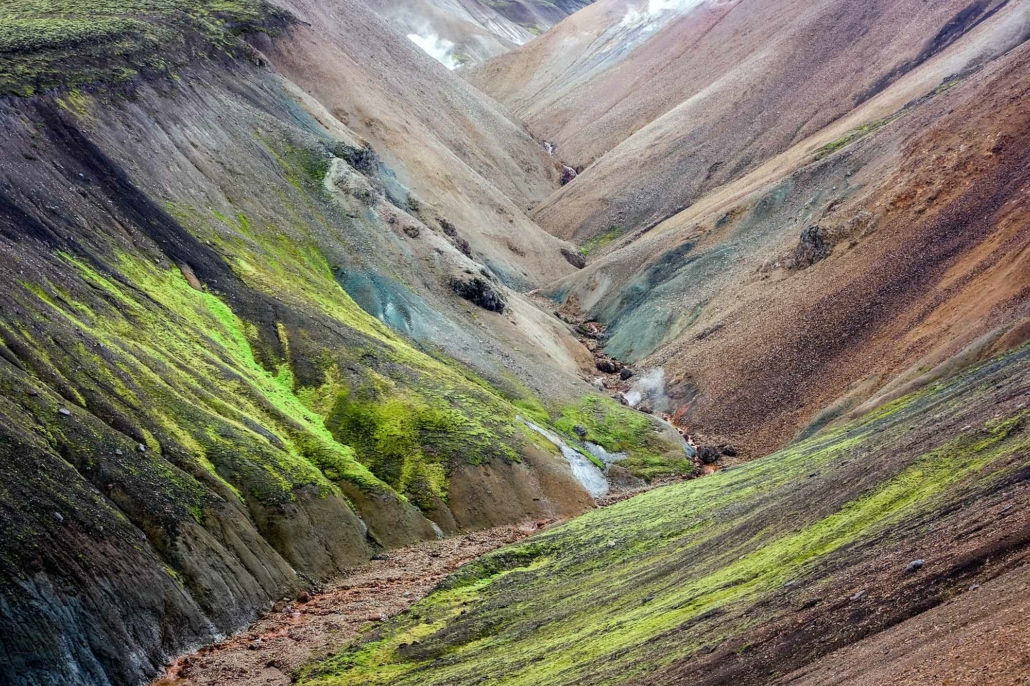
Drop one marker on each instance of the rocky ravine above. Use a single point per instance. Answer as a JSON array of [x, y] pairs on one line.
[[265, 315], [232, 360]]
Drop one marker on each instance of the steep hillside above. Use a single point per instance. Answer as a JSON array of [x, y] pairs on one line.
[[453, 147], [759, 574], [274, 300], [790, 211], [664, 107], [241, 350], [841, 270]]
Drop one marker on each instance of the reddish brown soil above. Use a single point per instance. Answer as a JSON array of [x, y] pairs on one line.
[[280, 642], [981, 637]]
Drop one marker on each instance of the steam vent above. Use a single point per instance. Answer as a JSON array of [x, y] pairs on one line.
[[514, 343]]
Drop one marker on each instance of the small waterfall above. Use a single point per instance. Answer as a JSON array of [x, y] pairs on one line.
[[603, 455], [585, 471]]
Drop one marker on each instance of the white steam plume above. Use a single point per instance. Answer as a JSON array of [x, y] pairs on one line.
[[441, 49], [647, 16], [649, 386]]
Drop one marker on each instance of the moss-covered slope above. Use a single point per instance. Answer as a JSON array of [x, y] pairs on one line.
[[744, 576], [196, 416], [50, 43]]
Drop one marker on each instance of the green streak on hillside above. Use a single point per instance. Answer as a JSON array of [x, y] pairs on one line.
[[187, 348], [65, 43], [623, 591], [861, 132], [606, 237]]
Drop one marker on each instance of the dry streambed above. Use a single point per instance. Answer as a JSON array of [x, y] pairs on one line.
[[296, 632]]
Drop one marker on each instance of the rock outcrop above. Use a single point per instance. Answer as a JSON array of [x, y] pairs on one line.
[[479, 291]]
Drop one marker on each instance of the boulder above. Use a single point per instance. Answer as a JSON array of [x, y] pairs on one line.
[[812, 248], [708, 454], [574, 258], [478, 291]]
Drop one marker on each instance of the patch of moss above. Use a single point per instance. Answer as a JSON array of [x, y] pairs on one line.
[[67, 43], [606, 237], [622, 592], [192, 336], [619, 429], [861, 132], [856, 134]]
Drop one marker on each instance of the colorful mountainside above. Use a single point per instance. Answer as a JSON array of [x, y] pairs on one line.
[[281, 294]]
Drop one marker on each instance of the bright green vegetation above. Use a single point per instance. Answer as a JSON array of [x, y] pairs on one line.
[[606, 237], [677, 572], [856, 134], [619, 429], [267, 407], [188, 350], [66, 43], [861, 132], [185, 361], [408, 415]]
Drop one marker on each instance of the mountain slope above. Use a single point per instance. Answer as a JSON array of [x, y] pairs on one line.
[[758, 211], [842, 270], [239, 353], [442, 139], [745, 576], [695, 97], [273, 301]]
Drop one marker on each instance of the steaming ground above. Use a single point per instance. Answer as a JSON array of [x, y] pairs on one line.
[[439, 49]]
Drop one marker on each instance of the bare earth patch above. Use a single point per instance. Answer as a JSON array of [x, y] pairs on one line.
[[281, 641]]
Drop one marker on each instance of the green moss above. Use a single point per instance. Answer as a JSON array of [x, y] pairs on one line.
[[861, 132], [855, 135], [620, 593], [619, 429], [412, 442], [410, 416], [66, 43], [606, 237], [193, 353]]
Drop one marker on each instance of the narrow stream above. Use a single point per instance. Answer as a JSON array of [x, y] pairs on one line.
[[585, 471]]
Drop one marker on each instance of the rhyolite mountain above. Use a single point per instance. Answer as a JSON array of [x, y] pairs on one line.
[[467, 32], [279, 291], [789, 207], [235, 356]]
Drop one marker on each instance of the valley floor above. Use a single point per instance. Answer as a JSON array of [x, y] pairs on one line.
[[295, 632]]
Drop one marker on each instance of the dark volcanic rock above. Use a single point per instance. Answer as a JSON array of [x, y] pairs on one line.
[[626, 373], [477, 290], [708, 454], [728, 450], [607, 366], [567, 174], [574, 258], [463, 245], [811, 249]]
